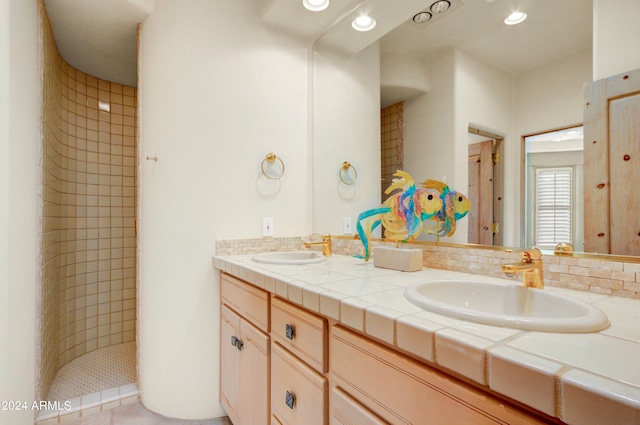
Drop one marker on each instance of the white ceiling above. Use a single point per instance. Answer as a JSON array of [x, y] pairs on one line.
[[553, 29], [99, 36]]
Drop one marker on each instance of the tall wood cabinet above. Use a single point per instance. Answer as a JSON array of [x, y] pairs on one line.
[[612, 165], [244, 352]]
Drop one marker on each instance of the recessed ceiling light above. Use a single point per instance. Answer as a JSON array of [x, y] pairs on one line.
[[515, 18], [422, 17], [315, 5], [363, 23], [440, 6]]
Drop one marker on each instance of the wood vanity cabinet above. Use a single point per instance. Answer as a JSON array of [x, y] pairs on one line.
[[284, 365], [244, 352]]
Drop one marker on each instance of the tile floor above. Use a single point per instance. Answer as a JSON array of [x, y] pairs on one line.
[[137, 414], [97, 381], [101, 388]]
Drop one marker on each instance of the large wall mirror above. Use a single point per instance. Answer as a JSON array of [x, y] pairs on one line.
[[456, 70]]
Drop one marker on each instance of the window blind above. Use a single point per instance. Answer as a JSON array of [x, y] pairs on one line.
[[553, 206]]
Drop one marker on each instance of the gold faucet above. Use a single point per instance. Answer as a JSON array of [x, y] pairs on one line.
[[326, 244], [530, 267], [563, 249]]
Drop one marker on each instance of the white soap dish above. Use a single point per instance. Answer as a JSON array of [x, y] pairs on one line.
[[403, 259]]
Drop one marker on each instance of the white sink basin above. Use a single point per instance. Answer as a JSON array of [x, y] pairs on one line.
[[293, 257], [507, 305]]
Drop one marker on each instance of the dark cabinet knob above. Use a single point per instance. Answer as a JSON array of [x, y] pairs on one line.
[[289, 399], [236, 342], [290, 331]]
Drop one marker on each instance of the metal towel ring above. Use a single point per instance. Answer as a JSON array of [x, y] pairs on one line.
[[345, 166], [271, 158]]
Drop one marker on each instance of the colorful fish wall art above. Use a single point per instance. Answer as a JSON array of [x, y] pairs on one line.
[[433, 209]]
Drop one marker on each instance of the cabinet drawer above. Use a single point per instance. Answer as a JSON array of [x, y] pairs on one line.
[[298, 393], [247, 300], [367, 370], [347, 411], [301, 332]]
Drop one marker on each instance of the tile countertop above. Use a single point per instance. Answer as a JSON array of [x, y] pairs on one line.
[[590, 378]]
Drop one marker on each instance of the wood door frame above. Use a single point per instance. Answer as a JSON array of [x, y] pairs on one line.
[[480, 188], [523, 176]]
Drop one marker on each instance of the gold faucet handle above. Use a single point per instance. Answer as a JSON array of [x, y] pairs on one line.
[[530, 255], [326, 237], [563, 249]]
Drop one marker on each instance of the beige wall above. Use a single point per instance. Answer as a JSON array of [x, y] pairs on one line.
[[88, 241], [616, 35], [429, 124], [217, 92], [19, 151], [346, 127]]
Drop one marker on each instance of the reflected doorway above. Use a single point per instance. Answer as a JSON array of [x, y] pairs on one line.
[[484, 191], [554, 195]]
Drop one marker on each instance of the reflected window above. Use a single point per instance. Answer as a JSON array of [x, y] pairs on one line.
[[553, 189], [553, 208]]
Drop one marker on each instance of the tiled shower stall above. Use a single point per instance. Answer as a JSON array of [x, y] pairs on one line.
[[391, 143], [87, 298]]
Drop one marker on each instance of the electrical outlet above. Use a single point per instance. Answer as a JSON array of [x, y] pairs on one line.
[[267, 226], [346, 226]]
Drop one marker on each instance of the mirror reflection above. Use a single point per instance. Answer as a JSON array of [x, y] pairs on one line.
[[554, 193], [465, 69]]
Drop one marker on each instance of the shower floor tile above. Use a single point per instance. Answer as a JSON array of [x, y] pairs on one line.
[[99, 370]]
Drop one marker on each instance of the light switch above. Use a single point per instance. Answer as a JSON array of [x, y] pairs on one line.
[[267, 226]]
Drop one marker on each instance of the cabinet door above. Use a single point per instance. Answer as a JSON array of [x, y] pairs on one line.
[[229, 362], [298, 393], [244, 370], [612, 165], [253, 375]]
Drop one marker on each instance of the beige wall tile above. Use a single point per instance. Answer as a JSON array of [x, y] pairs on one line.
[[83, 190]]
